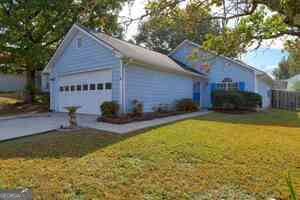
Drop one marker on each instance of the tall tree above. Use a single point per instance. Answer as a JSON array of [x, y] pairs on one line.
[[289, 66], [244, 22], [31, 30], [165, 32]]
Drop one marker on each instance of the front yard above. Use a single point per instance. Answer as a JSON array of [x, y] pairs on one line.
[[12, 104], [218, 156]]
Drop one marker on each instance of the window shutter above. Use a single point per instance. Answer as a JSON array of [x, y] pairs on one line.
[[242, 86], [212, 87]]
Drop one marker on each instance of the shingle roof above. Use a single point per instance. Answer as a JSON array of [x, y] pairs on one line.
[[143, 55]]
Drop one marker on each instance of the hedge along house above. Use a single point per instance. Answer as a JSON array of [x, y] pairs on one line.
[[89, 68]]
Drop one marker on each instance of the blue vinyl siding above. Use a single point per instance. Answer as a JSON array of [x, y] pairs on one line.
[[220, 68], [90, 56], [153, 87]]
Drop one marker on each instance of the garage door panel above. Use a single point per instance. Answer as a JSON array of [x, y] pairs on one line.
[[89, 100]]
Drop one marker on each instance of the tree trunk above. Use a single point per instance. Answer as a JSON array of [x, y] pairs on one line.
[[30, 86]]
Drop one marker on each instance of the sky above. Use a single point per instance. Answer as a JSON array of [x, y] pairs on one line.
[[265, 58]]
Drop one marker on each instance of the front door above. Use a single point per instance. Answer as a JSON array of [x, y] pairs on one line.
[[196, 92]]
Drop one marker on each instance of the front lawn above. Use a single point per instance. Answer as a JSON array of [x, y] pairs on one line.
[[218, 156], [12, 104]]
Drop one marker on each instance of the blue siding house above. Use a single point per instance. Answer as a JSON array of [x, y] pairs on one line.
[[90, 67]]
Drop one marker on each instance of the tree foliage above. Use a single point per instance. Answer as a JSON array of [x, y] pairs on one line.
[[244, 22], [31, 30], [165, 32], [289, 66]]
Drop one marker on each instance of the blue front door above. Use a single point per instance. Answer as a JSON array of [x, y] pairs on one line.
[[196, 93]]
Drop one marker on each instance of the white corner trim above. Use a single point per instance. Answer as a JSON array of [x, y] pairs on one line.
[[124, 88], [121, 101], [255, 82]]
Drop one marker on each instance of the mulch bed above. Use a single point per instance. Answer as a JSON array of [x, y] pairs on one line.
[[124, 119], [23, 108]]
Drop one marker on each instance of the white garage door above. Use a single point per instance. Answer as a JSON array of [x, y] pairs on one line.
[[87, 90]]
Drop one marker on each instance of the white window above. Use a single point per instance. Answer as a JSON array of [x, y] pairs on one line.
[[79, 42], [227, 84]]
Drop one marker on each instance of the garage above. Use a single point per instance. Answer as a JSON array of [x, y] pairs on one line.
[[87, 90]]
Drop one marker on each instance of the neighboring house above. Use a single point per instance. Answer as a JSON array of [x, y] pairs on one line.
[[291, 82], [12, 82], [287, 84], [90, 67]]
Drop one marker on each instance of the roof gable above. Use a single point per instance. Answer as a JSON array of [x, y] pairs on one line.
[[240, 63], [65, 42]]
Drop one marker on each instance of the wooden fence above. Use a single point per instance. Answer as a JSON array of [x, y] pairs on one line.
[[283, 99]]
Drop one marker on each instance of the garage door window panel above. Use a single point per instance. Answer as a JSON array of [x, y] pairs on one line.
[[92, 87], [67, 88], [85, 87], [78, 87], [100, 86], [72, 88], [108, 86]]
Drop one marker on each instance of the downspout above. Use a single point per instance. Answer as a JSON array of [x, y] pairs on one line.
[[122, 87], [255, 82]]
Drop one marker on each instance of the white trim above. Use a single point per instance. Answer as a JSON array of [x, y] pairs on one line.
[[121, 87], [84, 71], [183, 72], [178, 47], [124, 88], [255, 82]]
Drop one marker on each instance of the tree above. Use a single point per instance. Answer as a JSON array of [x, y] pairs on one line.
[[163, 33], [296, 86], [244, 22], [30, 31], [289, 66]]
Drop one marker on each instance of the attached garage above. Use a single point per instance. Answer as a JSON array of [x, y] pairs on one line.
[[87, 90]]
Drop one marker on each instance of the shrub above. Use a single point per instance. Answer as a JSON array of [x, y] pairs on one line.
[[161, 108], [236, 100], [137, 108], [186, 105], [109, 109]]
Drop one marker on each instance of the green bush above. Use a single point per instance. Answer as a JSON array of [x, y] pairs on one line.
[[236, 100], [109, 109], [186, 105]]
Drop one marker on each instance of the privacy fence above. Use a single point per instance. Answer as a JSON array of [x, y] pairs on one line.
[[289, 100]]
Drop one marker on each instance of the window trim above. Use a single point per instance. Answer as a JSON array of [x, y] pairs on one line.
[[77, 42]]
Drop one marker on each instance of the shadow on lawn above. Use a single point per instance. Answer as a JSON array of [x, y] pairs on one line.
[[271, 117], [59, 144]]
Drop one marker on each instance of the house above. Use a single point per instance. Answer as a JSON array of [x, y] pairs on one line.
[[288, 84], [12, 82], [89, 68]]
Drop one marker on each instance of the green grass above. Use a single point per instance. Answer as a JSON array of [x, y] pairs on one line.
[[8, 100], [211, 157]]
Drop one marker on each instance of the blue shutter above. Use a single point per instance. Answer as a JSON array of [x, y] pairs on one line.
[[242, 86], [212, 87]]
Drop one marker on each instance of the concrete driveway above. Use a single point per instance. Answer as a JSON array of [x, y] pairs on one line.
[[23, 126], [14, 127]]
